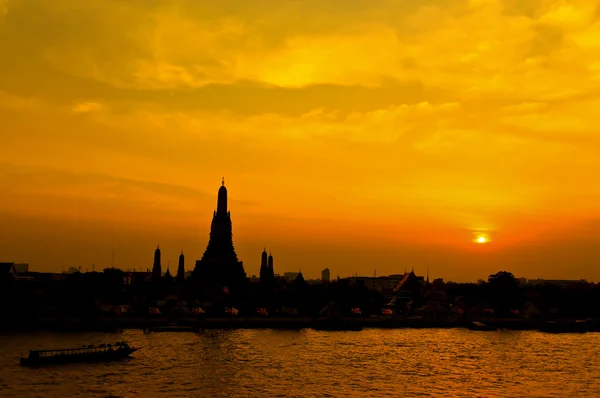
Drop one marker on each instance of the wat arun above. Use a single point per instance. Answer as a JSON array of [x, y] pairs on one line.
[[220, 265]]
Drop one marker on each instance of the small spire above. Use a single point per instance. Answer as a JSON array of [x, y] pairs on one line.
[[223, 182]]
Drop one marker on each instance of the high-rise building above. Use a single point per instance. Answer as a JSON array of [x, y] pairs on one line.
[[325, 275], [156, 268], [220, 264]]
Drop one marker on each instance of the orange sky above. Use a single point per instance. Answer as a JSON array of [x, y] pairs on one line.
[[353, 135]]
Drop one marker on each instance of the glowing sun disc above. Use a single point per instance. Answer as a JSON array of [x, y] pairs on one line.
[[481, 239]]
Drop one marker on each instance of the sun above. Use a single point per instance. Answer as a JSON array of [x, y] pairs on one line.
[[481, 239]]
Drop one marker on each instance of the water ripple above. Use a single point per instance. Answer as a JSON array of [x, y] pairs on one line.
[[371, 363]]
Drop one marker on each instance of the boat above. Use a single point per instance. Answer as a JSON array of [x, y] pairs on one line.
[[482, 327], [90, 353]]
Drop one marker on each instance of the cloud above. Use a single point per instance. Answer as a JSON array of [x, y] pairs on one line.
[[86, 107], [452, 116], [3, 8], [18, 103], [490, 47]]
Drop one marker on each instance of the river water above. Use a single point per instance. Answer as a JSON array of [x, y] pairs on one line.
[[304, 363]]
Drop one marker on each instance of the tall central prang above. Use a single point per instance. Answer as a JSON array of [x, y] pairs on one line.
[[219, 264]]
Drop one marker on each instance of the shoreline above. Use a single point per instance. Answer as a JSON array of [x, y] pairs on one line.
[[113, 324]]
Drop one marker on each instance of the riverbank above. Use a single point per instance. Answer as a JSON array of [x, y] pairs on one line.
[[115, 324]]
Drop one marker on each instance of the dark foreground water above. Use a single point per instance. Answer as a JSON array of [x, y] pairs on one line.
[[268, 363]]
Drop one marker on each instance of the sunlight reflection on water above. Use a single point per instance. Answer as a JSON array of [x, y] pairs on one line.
[[405, 362]]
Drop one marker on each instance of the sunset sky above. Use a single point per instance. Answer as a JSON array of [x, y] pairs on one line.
[[355, 135]]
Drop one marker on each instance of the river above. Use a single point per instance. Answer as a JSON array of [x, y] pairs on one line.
[[304, 363]]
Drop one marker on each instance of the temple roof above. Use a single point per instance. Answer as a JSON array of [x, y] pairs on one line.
[[407, 276]]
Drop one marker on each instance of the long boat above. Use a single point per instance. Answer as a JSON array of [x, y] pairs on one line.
[[90, 353]]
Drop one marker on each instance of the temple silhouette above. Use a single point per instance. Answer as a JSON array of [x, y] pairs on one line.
[[267, 273], [180, 278], [156, 267], [220, 264]]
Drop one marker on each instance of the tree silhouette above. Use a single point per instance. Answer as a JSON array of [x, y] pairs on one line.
[[504, 292], [503, 280]]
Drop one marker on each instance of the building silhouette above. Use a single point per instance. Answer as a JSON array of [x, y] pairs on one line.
[[270, 268], [220, 264], [264, 266], [180, 277], [156, 268], [267, 273], [290, 276], [299, 279], [326, 275], [167, 277]]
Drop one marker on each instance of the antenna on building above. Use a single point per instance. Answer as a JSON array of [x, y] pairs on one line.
[[374, 273]]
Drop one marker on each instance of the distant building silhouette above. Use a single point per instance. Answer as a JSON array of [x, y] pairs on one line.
[[168, 277], [156, 268], [326, 275], [220, 263], [264, 270], [7, 273], [300, 279], [387, 284], [21, 268], [264, 266], [270, 267], [267, 274], [180, 278], [290, 276]]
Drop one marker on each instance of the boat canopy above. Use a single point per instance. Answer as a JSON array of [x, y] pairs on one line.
[[89, 347]]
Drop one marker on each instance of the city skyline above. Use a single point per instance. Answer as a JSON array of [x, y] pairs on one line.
[[480, 240], [353, 136]]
